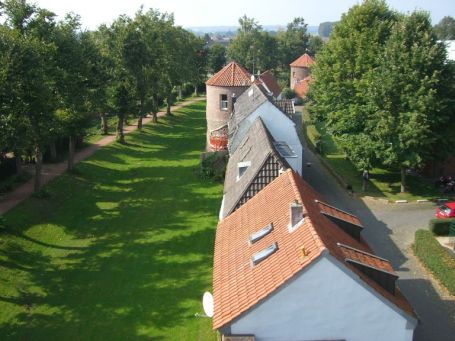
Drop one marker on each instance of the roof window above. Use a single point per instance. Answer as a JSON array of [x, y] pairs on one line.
[[284, 149], [296, 216], [242, 167], [254, 237], [263, 254]]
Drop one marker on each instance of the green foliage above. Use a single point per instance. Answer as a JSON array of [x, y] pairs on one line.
[[435, 258], [379, 88], [213, 166], [440, 227], [315, 44], [288, 93], [216, 58], [41, 194], [445, 29], [3, 224], [325, 28], [293, 42]]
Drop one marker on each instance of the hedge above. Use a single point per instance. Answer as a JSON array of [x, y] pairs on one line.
[[435, 258], [440, 227]]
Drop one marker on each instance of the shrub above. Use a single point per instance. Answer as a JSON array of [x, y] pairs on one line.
[[435, 258], [440, 227], [288, 93], [2, 223], [213, 166], [41, 194]]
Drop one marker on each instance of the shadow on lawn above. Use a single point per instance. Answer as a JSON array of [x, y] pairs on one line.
[[136, 246]]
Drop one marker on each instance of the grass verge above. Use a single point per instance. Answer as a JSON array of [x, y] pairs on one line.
[[122, 248], [435, 258]]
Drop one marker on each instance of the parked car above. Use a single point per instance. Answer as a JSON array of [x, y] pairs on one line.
[[446, 210]]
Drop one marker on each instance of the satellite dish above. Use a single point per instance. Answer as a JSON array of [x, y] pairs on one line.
[[207, 303]]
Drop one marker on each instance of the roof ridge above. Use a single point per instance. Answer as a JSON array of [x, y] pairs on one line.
[[364, 252]]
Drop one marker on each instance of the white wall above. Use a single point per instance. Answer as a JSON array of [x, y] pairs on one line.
[[281, 128], [323, 303]]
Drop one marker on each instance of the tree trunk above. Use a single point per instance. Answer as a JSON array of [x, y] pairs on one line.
[[139, 123], [104, 126], [120, 135], [17, 156], [53, 150], [195, 90], [403, 179], [71, 153], [154, 117], [38, 167], [180, 92], [168, 107]]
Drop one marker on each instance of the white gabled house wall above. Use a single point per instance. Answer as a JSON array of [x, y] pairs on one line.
[[325, 301], [280, 126]]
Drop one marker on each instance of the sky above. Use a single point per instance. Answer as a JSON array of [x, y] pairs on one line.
[[191, 13]]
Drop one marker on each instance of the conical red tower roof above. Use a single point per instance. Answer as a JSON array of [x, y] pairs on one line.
[[303, 61], [232, 74]]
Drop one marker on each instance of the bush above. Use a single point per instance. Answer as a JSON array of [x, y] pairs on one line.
[[2, 223], [440, 227], [435, 258], [213, 166], [288, 93]]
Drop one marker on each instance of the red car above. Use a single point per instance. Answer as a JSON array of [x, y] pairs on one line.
[[446, 210]]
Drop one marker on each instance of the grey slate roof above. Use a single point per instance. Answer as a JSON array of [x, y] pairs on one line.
[[245, 105], [266, 164]]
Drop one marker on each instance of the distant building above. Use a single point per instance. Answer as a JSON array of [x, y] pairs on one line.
[[300, 74], [288, 266], [222, 90]]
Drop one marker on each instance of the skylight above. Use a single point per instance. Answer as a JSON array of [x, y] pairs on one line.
[[242, 167], [263, 254], [261, 233], [284, 149]]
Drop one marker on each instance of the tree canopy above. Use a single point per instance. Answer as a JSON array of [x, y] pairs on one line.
[[378, 86]]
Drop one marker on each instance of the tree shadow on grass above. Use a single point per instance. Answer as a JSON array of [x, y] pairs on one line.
[[126, 245]]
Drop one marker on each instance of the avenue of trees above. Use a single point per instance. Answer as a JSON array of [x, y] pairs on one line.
[[385, 90], [258, 50], [54, 76]]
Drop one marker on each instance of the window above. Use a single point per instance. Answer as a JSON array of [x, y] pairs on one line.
[[242, 167], [296, 216], [263, 254], [284, 149], [254, 237], [224, 102]]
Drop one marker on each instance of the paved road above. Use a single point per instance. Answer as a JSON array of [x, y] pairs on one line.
[[389, 230]]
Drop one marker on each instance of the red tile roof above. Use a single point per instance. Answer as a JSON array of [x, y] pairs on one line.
[[271, 83], [303, 61], [232, 74], [337, 213], [238, 285], [301, 87]]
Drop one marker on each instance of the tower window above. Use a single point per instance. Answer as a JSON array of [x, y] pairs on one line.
[[224, 102]]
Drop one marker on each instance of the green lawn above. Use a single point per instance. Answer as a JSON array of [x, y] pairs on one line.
[[384, 182], [123, 248]]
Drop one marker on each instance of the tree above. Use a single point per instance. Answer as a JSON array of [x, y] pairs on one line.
[[445, 29], [30, 74], [293, 42], [216, 58], [378, 87], [404, 94], [315, 44], [325, 28]]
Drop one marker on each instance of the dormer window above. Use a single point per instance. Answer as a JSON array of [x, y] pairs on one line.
[[296, 216], [224, 102], [284, 149], [242, 167]]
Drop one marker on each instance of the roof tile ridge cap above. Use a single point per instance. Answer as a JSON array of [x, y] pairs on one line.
[[318, 240], [232, 74]]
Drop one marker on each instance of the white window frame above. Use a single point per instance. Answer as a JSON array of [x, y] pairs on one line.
[[242, 165], [224, 104]]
